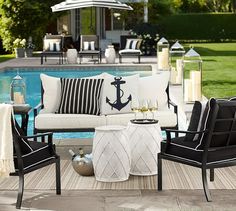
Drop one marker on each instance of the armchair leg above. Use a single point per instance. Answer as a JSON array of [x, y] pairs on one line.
[[20, 191], [205, 185], [212, 177], [58, 177], [159, 166], [120, 59], [139, 59]]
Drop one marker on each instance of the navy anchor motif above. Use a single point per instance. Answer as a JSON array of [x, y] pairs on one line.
[[117, 104]]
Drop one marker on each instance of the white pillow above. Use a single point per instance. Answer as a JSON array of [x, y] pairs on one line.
[[154, 87], [89, 45], [128, 91], [52, 93]]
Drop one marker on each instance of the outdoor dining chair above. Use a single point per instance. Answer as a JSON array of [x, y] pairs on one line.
[[52, 47], [89, 46], [31, 155], [208, 145]]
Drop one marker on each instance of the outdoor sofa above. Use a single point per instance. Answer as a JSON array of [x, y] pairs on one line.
[[51, 115]]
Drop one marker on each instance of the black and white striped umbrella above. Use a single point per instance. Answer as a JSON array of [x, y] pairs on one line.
[[75, 4]]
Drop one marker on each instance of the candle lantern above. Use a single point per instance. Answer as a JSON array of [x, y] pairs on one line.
[[192, 76], [176, 61], [163, 54], [18, 90]]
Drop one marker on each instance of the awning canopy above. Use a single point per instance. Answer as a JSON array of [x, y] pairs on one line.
[[75, 4]]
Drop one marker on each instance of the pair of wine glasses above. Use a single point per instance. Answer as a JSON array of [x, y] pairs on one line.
[[144, 106]]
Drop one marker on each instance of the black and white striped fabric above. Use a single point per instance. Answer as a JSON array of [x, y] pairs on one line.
[[80, 96], [132, 44]]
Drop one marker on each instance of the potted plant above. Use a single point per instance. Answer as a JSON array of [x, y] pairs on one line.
[[29, 49], [19, 45]]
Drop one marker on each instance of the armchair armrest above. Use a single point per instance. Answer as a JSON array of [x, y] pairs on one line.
[[37, 108], [174, 105]]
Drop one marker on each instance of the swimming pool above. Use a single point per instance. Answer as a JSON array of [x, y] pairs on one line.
[[33, 87]]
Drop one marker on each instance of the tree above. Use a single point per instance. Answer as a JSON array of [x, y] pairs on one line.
[[25, 18]]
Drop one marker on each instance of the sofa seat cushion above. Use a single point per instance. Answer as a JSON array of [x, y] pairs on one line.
[[130, 51], [64, 121], [166, 118]]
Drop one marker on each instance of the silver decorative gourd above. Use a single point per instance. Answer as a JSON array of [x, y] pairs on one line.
[[81, 163]]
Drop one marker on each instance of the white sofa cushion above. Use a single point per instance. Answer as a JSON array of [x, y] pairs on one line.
[[52, 93], [62, 121], [128, 91], [167, 118], [154, 88]]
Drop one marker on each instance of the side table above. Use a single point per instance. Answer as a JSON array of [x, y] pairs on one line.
[[23, 110], [144, 141], [111, 154]]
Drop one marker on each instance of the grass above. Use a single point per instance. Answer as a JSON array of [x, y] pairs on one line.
[[6, 57], [219, 68]]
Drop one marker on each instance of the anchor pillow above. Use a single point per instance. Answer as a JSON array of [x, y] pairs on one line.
[[117, 93]]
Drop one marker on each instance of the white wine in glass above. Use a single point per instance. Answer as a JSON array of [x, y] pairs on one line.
[[152, 107], [134, 105], [143, 106]]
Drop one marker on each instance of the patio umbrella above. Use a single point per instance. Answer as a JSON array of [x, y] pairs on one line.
[[75, 4]]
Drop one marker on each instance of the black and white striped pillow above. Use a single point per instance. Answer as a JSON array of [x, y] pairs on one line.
[[80, 96]]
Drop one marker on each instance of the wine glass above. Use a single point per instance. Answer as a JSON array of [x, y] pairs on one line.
[[143, 106], [134, 105], [152, 106]]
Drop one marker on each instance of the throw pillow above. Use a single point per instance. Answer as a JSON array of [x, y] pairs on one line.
[[117, 93], [154, 88], [51, 44], [80, 96], [194, 120], [51, 93], [133, 44], [89, 45]]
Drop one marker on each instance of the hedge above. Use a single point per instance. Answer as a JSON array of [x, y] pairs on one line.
[[199, 27]]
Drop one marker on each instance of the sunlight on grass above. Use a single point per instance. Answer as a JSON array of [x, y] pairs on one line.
[[6, 57], [219, 68]]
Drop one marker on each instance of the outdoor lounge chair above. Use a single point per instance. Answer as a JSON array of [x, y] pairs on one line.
[[212, 146], [132, 48], [32, 155], [89, 46], [52, 46]]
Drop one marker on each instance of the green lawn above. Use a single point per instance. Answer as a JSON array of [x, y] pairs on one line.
[[4, 58], [219, 68]]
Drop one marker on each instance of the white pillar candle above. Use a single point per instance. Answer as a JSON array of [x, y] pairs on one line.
[[165, 52], [179, 68], [196, 84], [173, 75], [18, 98], [159, 60], [187, 90]]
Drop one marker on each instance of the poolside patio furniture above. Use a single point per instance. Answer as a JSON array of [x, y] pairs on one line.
[[208, 145], [131, 49], [111, 154], [52, 47], [89, 46], [46, 118], [144, 140], [32, 155]]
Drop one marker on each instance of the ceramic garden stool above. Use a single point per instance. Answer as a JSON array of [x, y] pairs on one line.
[[72, 56], [111, 154], [144, 141]]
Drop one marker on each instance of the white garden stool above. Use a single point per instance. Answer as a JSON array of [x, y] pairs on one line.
[[144, 141], [111, 154], [110, 54], [71, 56]]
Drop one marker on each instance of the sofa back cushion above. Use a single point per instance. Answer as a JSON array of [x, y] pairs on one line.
[[154, 88], [80, 96], [51, 93], [117, 93]]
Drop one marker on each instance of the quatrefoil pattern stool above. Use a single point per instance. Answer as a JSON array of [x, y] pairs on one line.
[[111, 154], [144, 141]]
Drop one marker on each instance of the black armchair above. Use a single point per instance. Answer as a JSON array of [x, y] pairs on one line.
[[89, 46], [31, 155], [212, 146], [52, 46]]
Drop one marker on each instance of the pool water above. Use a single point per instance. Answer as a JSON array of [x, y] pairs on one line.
[[33, 85]]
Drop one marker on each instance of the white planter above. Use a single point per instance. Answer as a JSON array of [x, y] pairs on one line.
[[72, 56], [110, 54]]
